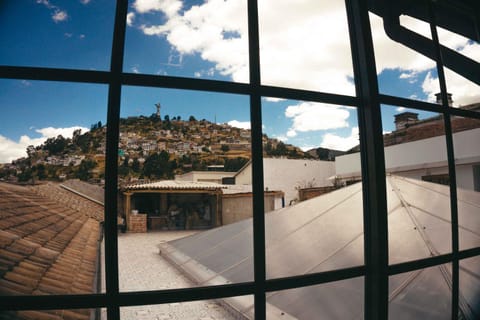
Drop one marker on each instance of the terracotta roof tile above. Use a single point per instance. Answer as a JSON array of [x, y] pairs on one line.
[[46, 247]]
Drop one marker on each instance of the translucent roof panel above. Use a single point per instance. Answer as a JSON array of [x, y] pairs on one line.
[[424, 294], [325, 233]]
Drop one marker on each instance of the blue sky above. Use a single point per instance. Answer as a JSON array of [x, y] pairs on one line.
[[203, 39]]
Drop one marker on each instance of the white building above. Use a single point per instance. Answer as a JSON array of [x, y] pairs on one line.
[[205, 176], [288, 175], [426, 159]]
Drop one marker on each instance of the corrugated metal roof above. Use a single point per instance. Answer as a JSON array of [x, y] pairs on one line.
[[175, 185]]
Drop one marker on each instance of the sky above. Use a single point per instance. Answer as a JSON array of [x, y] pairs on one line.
[[305, 46]]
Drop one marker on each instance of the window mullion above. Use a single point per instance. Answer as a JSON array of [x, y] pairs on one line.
[[373, 162], [113, 115], [451, 164], [257, 161]]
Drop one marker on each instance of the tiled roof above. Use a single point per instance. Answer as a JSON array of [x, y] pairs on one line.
[[46, 248], [57, 193], [175, 185], [87, 189]]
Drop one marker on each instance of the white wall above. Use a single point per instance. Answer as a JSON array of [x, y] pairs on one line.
[[424, 157], [287, 174], [204, 176]]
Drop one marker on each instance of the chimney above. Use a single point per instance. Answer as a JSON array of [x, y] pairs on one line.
[[438, 97], [403, 120]]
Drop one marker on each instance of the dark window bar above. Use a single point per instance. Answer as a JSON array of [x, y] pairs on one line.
[[451, 165], [373, 163], [367, 101]]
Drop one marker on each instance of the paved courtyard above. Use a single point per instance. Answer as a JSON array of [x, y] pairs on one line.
[[142, 268]]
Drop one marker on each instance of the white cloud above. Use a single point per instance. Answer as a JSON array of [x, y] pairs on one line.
[[59, 15], [239, 124], [463, 91], [293, 52], [46, 3], [305, 148], [406, 75], [82, 36], [130, 18], [291, 133], [85, 1], [411, 76], [333, 141], [272, 99], [281, 138], [311, 116], [400, 109], [26, 83], [209, 72], [169, 7], [135, 69], [11, 150]]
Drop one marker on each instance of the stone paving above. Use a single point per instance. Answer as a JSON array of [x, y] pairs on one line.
[[142, 268]]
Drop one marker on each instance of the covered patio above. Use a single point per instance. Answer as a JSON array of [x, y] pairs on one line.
[[172, 205]]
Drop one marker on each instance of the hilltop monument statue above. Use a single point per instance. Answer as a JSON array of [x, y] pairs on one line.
[[158, 109]]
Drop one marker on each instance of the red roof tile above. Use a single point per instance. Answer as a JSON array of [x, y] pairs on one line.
[[47, 246]]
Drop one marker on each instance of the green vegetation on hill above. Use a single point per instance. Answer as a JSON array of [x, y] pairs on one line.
[[149, 148]]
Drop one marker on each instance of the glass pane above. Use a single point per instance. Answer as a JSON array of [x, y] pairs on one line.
[[470, 287], [228, 309], [403, 72], [467, 168], [465, 93], [51, 189], [457, 42], [418, 194], [416, 25], [206, 40], [53, 314], [320, 227], [59, 34], [295, 50], [421, 294], [179, 155], [327, 300]]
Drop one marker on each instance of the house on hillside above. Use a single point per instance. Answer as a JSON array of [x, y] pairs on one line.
[[417, 149]]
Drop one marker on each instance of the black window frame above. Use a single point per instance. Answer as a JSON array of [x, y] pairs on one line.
[[368, 101]]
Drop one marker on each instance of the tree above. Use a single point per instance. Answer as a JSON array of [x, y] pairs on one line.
[[233, 165], [40, 170], [84, 170], [192, 119], [136, 165], [25, 175], [76, 134], [158, 165], [268, 148], [281, 149], [56, 145], [225, 148]]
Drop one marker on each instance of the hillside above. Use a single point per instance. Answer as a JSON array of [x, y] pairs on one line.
[[149, 148]]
